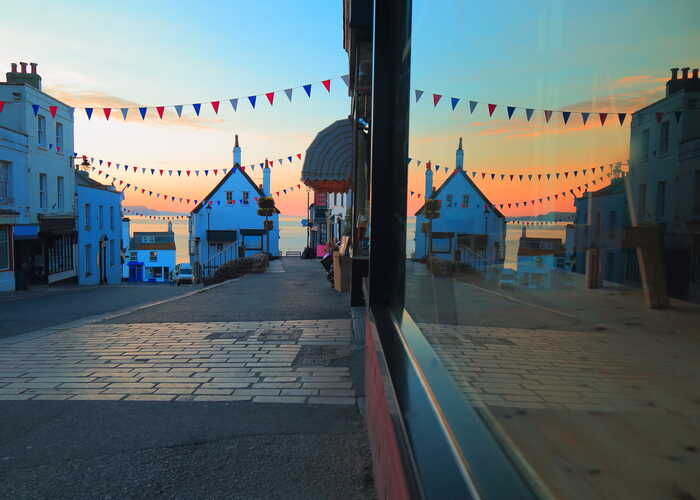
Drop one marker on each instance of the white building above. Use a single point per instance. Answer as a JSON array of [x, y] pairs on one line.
[[225, 225], [99, 232], [37, 183], [539, 259], [469, 230], [126, 239], [152, 256], [664, 172]]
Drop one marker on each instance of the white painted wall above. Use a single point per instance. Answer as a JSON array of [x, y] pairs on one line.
[[90, 232], [164, 258]]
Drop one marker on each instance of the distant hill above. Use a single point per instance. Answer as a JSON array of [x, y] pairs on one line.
[[550, 216], [129, 209]]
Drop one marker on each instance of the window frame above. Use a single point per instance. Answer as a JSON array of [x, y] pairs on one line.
[[60, 192], [435, 428], [41, 130], [43, 191], [59, 136], [5, 180], [86, 216], [664, 137], [245, 197]]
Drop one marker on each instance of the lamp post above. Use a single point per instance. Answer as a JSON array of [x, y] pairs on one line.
[[208, 209]]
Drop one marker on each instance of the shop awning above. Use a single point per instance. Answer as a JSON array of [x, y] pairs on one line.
[[328, 162]]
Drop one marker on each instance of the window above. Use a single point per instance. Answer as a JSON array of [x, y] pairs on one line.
[[155, 272], [465, 201], [645, 145], [59, 137], [86, 216], [41, 129], [663, 138], [696, 193], [112, 252], [229, 196], [642, 208], [100, 217], [133, 256], [4, 247], [88, 260], [449, 200], [612, 223], [153, 256], [4, 180], [246, 197], [148, 239], [43, 186], [660, 198], [335, 198], [111, 217], [60, 193]]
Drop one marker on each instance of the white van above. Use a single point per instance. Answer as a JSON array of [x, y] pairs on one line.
[[182, 274]]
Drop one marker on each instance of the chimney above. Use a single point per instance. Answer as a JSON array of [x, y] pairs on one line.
[[674, 73], [428, 181], [524, 233], [236, 153], [460, 156], [695, 74], [170, 226], [22, 77], [685, 73], [266, 179]]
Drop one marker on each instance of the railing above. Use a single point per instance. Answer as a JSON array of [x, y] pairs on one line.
[[228, 253]]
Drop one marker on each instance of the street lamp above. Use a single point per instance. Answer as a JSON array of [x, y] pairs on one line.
[[208, 209]]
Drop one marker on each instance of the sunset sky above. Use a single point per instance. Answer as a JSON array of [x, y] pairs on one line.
[[577, 56]]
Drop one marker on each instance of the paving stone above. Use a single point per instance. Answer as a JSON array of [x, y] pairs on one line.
[[149, 397], [317, 400], [279, 399]]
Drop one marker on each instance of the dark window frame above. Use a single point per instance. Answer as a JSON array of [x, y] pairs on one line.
[[452, 453]]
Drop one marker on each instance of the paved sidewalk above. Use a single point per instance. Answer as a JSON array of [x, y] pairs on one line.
[[245, 390], [261, 361]]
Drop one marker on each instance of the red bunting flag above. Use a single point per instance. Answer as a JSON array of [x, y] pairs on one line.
[[215, 170], [327, 84], [160, 110], [270, 97], [215, 105], [134, 168], [603, 116], [52, 110], [187, 172], [107, 112], [659, 116], [2, 105], [547, 115], [161, 172], [299, 155], [436, 99], [492, 108]]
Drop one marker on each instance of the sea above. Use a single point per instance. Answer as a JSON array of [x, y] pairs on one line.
[[293, 235]]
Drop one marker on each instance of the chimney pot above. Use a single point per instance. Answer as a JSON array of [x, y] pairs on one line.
[[674, 73], [14, 67], [685, 73], [24, 66], [33, 65], [695, 74]]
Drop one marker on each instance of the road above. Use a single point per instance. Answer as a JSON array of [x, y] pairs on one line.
[[38, 308]]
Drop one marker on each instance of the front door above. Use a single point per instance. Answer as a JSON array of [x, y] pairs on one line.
[[102, 262]]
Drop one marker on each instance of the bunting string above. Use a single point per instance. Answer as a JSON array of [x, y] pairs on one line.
[[529, 112], [105, 164], [144, 111]]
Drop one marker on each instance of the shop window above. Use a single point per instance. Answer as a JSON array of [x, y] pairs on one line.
[[4, 247]]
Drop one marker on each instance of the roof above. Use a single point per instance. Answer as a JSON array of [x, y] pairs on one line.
[[86, 181], [476, 188], [221, 183], [154, 246], [329, 157]]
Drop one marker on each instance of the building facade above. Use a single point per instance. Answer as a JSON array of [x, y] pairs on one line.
[[99, 232], [225, 225], [469, 229], [37, 181], [664, 175], [152, 256], [539, 259]]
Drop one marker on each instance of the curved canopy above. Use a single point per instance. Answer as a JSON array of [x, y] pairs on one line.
[[328, 162]]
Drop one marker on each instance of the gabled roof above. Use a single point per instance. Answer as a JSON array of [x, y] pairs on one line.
[[255, 187], [154, 246], [476, 188]]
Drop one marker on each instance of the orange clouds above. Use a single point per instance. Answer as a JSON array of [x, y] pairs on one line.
[[97, 99]]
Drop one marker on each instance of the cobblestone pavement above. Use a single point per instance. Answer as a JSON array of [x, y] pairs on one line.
[[571, 370], [203, 361]]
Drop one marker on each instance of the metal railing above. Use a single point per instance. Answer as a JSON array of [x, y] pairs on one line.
[[226, 254]]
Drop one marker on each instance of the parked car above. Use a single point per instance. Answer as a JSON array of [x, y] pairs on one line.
[[182, 274]]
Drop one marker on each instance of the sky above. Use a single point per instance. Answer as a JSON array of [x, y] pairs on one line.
[[544, 54]]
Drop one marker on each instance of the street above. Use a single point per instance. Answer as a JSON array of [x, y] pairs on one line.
[[191, 399], [24, 311]]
